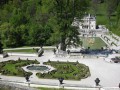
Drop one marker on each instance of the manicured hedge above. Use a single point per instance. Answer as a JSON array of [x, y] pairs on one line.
[[13, 68], [66, 70]]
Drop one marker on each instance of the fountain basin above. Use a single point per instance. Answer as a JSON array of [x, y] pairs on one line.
[[39, 68], [35, 68]]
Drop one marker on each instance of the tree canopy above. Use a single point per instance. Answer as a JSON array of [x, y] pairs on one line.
[[64, 13], [46, 22], [39, 22]]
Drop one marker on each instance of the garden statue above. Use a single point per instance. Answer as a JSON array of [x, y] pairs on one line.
[[40, 52], [61, 80], [97, 81], [54, 50], [102, 48], [68, 51], [5, 54], [27, 77]]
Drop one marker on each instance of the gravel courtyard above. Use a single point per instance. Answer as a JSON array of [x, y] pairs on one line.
[[108, 73]]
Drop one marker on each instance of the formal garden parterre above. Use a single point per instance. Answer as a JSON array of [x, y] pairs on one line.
[[66, 70], [14, 68]]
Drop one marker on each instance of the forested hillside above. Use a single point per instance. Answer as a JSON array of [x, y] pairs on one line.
[[107, 13], [24, 22], [38, 22], [48, 22]]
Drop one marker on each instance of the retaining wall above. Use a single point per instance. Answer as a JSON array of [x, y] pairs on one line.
[[22, 54]]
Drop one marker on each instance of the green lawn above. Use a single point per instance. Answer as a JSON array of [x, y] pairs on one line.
[[66, 70], [23, 50], [27, 50], [13, 68], [93, 42], [101, 20]]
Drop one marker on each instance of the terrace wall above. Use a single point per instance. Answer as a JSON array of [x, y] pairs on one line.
[[22, 54]]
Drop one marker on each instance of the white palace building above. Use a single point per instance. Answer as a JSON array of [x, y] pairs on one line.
[[87, 25]]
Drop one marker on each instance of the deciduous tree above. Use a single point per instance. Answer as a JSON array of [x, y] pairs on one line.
[[65, 11]]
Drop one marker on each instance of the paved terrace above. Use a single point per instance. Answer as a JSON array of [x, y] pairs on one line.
[[108, 73]]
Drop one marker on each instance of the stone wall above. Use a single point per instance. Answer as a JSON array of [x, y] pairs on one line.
[[22, 54]]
